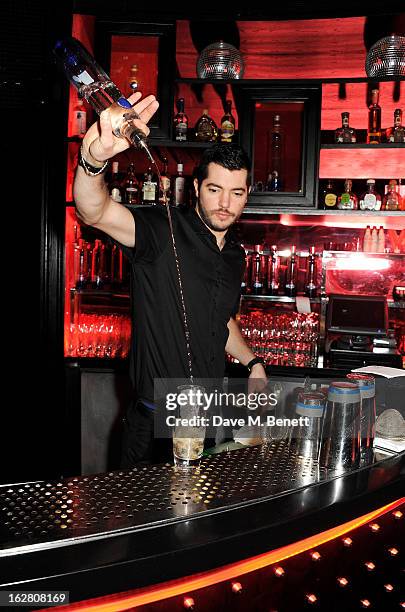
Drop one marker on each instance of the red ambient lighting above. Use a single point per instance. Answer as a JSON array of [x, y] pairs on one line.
[[312, 598], [142, 597], [188, 603]]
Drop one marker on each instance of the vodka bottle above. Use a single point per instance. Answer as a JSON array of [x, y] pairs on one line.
[[96, 87], [367, 240]]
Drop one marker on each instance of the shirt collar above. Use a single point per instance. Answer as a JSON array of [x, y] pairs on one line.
[[200, 227]]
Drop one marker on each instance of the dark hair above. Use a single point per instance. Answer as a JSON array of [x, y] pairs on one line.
[[229, 156]]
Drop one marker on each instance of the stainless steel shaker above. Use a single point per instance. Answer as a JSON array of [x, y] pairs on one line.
[[366, 384], [340, 438], [306, 437]]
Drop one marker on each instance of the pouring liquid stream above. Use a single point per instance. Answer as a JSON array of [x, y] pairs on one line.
[[177, 261]]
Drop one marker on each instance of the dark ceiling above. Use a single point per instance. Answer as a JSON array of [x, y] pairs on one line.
[[284, 9]]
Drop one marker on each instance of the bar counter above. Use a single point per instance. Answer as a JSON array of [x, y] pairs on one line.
[[120, 531]]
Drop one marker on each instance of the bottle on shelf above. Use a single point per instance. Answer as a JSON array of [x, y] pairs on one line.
[[290, 287], [374, 119], [328, 199], [131, 186], [347, 200], [374, 240], [381, 240], [96, 87], [370, 199], [206, 129], [396, 133], [392, 199], [257, 271], [165, 182], [116, 267], [273, 284], [133, 79], [98, 270], [79, 119], [115, 187], [81, 265], [149, 188], [367, 240], [345, 133], [180, 122], [245, 284], [227, 124], [310, 281], [274, 182], [179, 183]]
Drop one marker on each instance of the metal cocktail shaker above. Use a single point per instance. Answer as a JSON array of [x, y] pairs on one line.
[[340, 438], [306, 437], [366, 384]]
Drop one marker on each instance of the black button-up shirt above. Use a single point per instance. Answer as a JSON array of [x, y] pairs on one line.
[[211, 280]]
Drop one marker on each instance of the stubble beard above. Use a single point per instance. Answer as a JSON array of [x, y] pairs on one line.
[[205, 216]]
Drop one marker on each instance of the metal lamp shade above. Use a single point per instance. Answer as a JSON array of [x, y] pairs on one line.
[[220, 61], [387, 57]]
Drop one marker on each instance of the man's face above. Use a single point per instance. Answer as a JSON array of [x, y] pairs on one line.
[[222, 196]]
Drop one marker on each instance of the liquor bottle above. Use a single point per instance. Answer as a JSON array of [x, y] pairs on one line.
[[179, 187], [81, 265], [310, 282], [131, 186], [115, 188], [273, 182], [180, 122], [276, 143], [328, 199], [96, 87], [116, 267], [149, 188], [228, 124], [290, 288], [347, 199], [345, 133], [374, 240], [374, 119], [164, 187], [367, 240], [381, 240], [98, 265], [206, 129], [79, 119], [133, 79], [257, 271], [246, 281], [392, 199], [371, 199], [396, 133], [272, 284]]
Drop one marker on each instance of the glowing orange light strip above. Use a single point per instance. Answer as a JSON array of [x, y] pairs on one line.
[[228, 572]]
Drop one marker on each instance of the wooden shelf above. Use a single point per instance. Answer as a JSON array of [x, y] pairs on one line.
[[364, 145], [284, 299], [370, 161], [196, 81], [317, 212], [189, 144]]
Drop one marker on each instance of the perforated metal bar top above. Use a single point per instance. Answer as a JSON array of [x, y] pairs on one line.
[[45, 512]]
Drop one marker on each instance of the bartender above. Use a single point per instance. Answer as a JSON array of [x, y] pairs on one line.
[[211, 263]]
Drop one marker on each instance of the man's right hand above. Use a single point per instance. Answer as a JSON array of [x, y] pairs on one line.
[[99, 142]]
